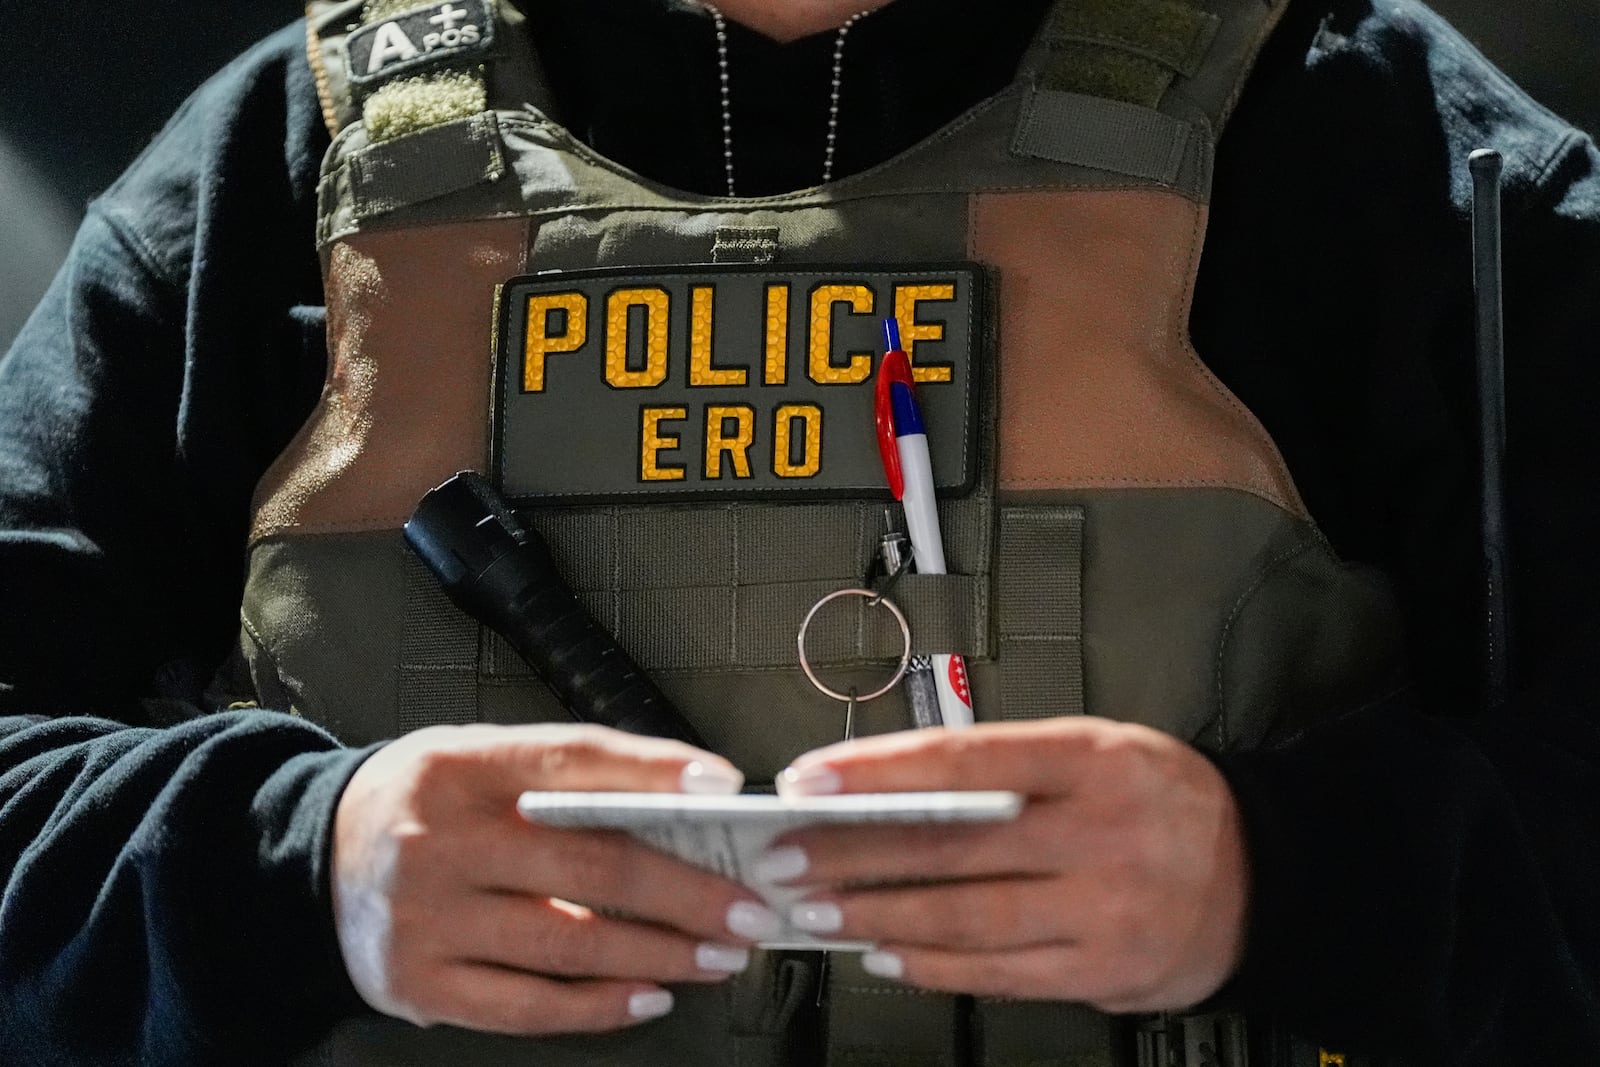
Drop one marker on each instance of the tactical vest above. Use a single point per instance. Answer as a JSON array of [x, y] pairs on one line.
[[1122, 535]]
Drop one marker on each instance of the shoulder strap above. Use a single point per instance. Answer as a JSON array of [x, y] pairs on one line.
[[1140, 87], [402, 67], [1126, 50], [1189, 58]]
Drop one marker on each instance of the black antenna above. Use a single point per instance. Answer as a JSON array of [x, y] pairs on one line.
[[1485, 167]]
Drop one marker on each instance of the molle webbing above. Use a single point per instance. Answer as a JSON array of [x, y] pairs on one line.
[[438, 657], [678, 607]]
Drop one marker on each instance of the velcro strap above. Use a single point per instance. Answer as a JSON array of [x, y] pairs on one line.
[[1173, 33], [1039, 611], [1127, 50], [434, 161], [417, 67], [1094, 70], [1090, 131], [410, 105]]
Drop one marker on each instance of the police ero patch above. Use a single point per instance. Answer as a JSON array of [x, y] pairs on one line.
[[725, 382], [419, 38]]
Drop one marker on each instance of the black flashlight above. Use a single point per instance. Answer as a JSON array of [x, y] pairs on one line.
[[497, 569]]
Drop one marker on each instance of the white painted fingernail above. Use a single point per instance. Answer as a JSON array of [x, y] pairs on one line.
[[883, 965], [754, 921], [809, 782], [818, 917], [726, 958], [650, 1005], [781, 864], [710, 778]]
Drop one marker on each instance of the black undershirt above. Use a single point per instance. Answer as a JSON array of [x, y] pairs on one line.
[[639, 84]]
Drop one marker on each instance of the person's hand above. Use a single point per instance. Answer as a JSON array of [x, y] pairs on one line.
[[1122, 884], [451, 908]]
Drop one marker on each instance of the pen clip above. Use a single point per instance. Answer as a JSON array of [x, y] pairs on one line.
[[895, 369]]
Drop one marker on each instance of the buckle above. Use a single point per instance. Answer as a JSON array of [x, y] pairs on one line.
[[1210, 1039]]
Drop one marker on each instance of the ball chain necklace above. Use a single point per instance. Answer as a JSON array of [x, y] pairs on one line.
[[837, 84]]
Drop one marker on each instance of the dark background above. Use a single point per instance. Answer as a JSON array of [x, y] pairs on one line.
[[84, 84]]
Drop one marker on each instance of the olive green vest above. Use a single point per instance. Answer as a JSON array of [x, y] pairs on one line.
[[1127, 541]]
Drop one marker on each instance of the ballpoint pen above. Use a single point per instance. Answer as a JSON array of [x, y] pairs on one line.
[[903, 445], [922, 692]]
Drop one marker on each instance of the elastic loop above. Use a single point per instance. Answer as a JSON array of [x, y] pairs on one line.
[[889, 582]]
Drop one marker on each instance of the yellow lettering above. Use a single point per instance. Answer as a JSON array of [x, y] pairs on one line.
[[701, 372], [657, 305], [906, 299], [783, 462], [542, 343], [652, 442], [823, 299], [777, 334], [736, 445]]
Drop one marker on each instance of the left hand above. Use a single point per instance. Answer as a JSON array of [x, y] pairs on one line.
[[1122, 884]]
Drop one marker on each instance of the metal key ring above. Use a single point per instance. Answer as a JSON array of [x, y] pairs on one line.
[[875, 599]]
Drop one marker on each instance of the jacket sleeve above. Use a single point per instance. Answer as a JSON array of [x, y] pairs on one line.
[[1423, 881], [173, 357], [166, 894], [163, 891]]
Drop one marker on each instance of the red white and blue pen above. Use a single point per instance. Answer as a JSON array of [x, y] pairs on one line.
[[903, 445]]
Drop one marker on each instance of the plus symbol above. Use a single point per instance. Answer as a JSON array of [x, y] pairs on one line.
[[448, 16]]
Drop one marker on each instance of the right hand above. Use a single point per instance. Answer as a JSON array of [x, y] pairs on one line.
[[451, 908]]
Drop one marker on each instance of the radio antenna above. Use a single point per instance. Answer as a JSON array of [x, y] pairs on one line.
[[1485, 166]]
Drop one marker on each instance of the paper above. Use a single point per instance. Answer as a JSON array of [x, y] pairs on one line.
[[729, 834]]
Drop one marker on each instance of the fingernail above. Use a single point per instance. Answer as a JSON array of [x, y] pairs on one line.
[[883, 965], [781, 864], [817, 917], [728, 958], [813, 781], [751, 920], [650, 1005], [710, 778]]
